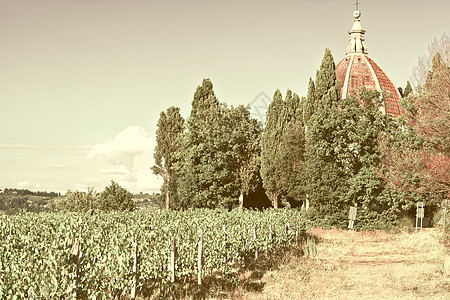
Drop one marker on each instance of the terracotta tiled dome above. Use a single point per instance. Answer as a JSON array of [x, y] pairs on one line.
[[357, 70]]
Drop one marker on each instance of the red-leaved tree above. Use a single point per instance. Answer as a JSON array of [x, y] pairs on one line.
[[423, 167]]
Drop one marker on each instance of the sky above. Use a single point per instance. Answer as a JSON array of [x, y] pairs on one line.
[[82, 83]]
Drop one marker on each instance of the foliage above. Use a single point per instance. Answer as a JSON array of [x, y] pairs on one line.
[[26, 192], [420, 162], [420, 71], [36, 260], [323, 178], [206, 178], [169, 135], [114, 197], [219, 160], [408, 89], [342, 151], [327, 88], [244, 136], [271, 161], [282, 152], [80, 201], [292, 152], [310, 102]]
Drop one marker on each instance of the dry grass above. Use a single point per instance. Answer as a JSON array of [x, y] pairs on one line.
[[361, 265]]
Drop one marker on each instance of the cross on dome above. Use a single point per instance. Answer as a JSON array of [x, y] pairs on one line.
[[356, 41]]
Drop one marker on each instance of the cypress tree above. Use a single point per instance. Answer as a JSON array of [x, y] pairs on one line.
[[324, 179], [408, 89], [205, 175], [282, 153], [271, 162], [310, 102], [292, 152], [326, 75]]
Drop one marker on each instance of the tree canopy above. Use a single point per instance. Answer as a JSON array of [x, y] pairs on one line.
[[421, 161], [169, 137]]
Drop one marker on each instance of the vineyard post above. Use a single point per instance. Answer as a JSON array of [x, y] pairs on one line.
[[75, 255], [172, 260], [244, 237], [287, 234], [133, 289], [296, 234], [200, 248], [224, 243], [270, 239], [254, 236]]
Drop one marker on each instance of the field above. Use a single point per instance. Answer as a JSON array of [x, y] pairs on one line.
[[47, 255], [99, 255], [361, 265]]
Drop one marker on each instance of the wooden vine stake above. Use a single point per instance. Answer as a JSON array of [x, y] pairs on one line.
[[199, 263], [296, 234], [254, 236], [75, 252], [172, 260], [287, 233], [133, 289], [270, 232], [224, 244], [270, 239]]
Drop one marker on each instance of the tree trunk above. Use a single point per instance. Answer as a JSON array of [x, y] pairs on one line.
[[167, 198], [167, 183], [241, 200], [305, 204], [275, 200]]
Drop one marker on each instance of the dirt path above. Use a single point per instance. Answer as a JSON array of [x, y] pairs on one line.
[[363, 265]]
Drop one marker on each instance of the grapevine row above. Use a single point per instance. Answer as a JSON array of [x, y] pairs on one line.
[[37, 250]]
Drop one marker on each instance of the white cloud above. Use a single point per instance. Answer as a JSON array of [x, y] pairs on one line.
[[122, 153], [132, 141], [59, 166], [119, 170]]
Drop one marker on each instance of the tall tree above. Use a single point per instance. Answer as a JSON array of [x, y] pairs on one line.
[[292, 151], [115, 197], [282, 154], [205, 176], [271, 161], [408, 89], [310, 102], [169, 135], [327, 88], [322, 175], [428, 115], [420, 71], [342, 150], [245, 147]]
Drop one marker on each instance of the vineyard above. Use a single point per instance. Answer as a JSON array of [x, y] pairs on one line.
[[101, 255]]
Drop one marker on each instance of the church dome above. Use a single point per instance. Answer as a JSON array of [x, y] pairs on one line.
[[357, 70]]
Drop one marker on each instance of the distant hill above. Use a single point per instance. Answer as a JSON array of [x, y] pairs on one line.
[[13, 201]]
